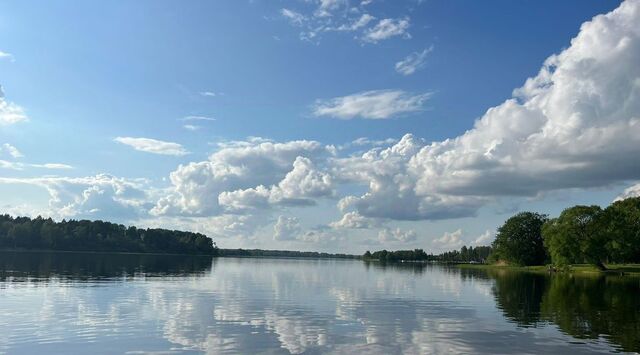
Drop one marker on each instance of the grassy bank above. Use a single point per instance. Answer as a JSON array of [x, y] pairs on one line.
[[617, 269]]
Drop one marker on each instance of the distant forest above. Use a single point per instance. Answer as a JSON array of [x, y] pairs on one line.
[[282, 253], [466, 254], [72, 235]]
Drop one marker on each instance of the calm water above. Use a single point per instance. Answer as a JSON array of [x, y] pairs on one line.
[[100, 303]]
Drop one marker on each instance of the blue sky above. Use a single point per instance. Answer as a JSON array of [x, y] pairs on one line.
[[280, 124]]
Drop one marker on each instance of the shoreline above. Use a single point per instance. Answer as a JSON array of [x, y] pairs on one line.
[[97, 252], [612, 269], [175, 254]]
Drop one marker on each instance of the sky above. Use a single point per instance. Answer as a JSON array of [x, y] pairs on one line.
[[328, 125]]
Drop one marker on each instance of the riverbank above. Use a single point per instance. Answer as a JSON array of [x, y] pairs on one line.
[[615, 269]]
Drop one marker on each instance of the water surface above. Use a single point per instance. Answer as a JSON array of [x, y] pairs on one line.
[[104, 303]]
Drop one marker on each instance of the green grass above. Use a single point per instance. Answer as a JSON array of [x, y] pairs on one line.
[[627, 269]]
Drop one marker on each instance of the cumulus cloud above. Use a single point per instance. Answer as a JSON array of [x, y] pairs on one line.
[[102, 196], [353, 220], [392, 186], [632, 191], [576, 124], [286, 228], [387, 28], [375, 105], [413, 62], [10, 113], [387, 235], [484, 239], [301, 186], [153, 146], [237, 176], [449, 241]]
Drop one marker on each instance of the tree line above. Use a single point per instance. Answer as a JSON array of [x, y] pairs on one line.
[[581, 234], [281, 254], [83, 235], [466, 254]]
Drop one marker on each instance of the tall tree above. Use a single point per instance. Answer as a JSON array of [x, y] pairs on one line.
[[622, 227], [576, 236], [519, 240]]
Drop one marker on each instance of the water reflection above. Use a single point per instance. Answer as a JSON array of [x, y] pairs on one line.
[[304, 306], [591, 307], [43, 266]]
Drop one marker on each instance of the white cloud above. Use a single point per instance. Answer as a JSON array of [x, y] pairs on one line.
[[14, 165], [313, 18], [631, 191], [295, 18], [326, 7], [387, 28], [355, 25], [5, 55], [392, 185], [300, 186], [449, 241], [191, 127], [576, 124], [387, 235], [11, 150], [53, 166], [353, 220], [413, 62], [210, 93], [10, 113], [484, 239], [239, 171], [286, 228], [100, 196], [5, 164], [366, 141], [375, 104], [153, 146], [197, 118]]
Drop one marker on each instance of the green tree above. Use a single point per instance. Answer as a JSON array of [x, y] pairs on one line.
[[621, 223], [576, 236], [519, 240]]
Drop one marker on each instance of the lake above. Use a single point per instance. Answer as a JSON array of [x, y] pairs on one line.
[[76, 303]]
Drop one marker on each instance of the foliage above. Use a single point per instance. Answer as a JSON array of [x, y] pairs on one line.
[[519, 240], [576, 236], [84, 235], [621, 226], [587, 234]]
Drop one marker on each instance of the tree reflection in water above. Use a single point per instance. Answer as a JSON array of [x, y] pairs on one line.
[[583, 306], [37, 267]]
